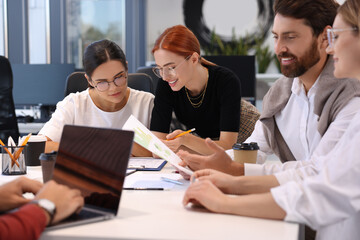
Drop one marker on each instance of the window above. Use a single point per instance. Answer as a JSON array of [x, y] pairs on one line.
[[89, 21], [38, 47], [2, 31]]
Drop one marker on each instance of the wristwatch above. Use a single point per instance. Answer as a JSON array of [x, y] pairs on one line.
[[48, 206]]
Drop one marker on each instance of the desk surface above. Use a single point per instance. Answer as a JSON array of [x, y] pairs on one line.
[[160, 215]]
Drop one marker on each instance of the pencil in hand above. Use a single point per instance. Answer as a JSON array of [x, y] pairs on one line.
[[181, 134]]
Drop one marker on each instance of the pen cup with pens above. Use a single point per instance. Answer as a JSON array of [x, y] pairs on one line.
[[13, 160]]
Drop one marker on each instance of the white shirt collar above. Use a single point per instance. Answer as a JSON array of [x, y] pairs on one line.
[[298, 89]]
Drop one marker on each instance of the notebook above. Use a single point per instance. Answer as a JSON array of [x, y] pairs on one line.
[[146, 164], [93, 160]]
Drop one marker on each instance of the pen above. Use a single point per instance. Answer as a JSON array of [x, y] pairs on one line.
[[143, 188], [181, 134], [171, 180]]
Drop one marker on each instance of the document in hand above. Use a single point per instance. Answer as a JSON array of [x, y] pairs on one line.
[[146, 139]]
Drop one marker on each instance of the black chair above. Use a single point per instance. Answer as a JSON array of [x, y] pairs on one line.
[[8, 121], [141, 81], [244, 68], [148, 70], [77, 82]]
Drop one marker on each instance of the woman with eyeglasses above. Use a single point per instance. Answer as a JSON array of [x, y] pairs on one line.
[[108, 102], [203, 95], [327, 202]]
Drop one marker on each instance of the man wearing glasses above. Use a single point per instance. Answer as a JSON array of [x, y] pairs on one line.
[[305, 112]]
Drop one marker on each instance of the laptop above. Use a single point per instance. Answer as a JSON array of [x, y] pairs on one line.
[[93, 160]]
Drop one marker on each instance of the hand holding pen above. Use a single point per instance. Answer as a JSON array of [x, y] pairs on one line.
[[181, 134]]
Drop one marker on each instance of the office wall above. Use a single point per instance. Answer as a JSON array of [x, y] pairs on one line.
[[222, 15]]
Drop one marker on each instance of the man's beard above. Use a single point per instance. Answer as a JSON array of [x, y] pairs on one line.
[[300, 65]]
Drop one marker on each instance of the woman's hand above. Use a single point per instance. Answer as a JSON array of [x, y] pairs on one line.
[[205, 193], [223, 181], [174, 143]]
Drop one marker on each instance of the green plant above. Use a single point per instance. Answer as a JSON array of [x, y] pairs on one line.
[[263, 55], [237, 46], [277, 63]]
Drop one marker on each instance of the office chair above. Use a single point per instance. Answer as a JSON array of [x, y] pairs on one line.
[[248, 117], [244, 68], [141, 81], [77, 82], [148, 70], [8, 121]]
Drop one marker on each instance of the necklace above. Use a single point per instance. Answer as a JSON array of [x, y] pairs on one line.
[[194, 101]]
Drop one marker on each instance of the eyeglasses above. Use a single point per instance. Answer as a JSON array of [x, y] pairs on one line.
[[168, 71], [105, 85], [331, 34]]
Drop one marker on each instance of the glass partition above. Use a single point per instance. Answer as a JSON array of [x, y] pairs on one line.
[[89, 21]]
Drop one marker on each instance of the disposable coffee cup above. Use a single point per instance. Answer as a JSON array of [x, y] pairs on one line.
[[245, 152], [36, 146], [47, 165]]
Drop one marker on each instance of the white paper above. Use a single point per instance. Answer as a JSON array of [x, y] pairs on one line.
[[148, 140], [139, 180], [145, 162]]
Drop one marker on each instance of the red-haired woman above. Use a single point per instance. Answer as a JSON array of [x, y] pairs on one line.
[[203, 95]]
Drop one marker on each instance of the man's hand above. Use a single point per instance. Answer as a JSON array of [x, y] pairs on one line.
[[66, 200], [219, 160], [12, 193]]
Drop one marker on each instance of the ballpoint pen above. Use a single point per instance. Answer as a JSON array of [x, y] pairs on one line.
[[181, 134], [171, 180]]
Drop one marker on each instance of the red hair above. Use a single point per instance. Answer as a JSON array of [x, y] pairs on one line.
[[180, 40]]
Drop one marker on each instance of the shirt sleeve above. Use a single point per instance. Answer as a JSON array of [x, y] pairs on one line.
[[301, 169], [163, 107], [26, 223], [337, 128], [330, 196], [258, 136], [64, 114]]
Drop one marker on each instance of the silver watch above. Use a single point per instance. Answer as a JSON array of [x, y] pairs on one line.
[[48, 206]]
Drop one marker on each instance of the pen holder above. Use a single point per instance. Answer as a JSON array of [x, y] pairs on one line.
[[13, 160]]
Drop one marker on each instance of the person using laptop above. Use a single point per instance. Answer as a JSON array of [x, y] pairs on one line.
[[328, 201], [108, 102], [202, 95], [52, 203], [305, 112]]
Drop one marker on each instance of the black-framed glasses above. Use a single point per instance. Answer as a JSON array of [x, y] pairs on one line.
[[331, 34], [118, 81], [168, 71]]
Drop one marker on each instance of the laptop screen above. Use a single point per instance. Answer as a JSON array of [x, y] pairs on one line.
[[94, 160]]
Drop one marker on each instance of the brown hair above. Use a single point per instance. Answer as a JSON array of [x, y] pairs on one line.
[[350, 13], [180, 40], [317, 13]]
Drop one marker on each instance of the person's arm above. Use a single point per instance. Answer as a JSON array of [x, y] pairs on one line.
[[302, 169], [52, 130], [197, 144], [51, 145], [330, 197], [26, 223], [255, 205], [139, 151], [219, 160], [238, 185]]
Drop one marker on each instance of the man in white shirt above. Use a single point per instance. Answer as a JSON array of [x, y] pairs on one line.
[[306, 112]]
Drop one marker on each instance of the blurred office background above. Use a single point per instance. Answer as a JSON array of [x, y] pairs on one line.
[[44, 39]]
